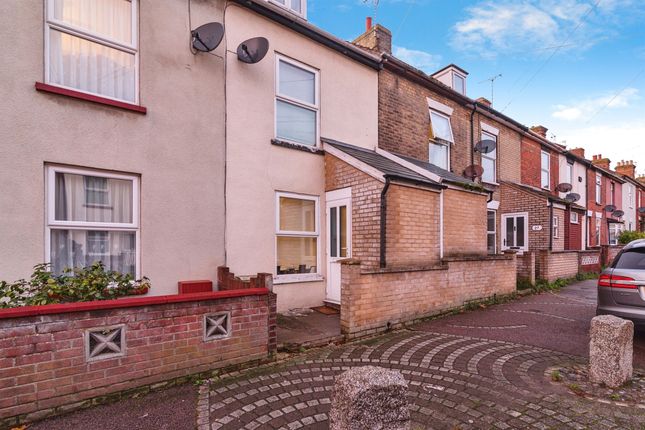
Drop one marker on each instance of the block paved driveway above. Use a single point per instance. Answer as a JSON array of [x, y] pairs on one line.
[[483, 369]]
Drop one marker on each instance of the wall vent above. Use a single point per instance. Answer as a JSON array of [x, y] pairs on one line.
[[105, 342], [217, 326]]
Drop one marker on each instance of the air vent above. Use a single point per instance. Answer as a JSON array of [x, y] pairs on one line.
[[217, 326], [105, 342]]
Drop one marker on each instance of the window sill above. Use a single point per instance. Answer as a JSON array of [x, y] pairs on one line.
[[53, 89], [298, 278], [297, 146], [490, 183]]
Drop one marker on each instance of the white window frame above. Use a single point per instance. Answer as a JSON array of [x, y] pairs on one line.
[[494, 231], [447, 145], [630, 195], [556, 227], [547, 170], [526, 230], [487, 135], [132, 48], [286, 4], [297, 277], [286, 99], [598, 188], [447, 117], [463, 78], [616, 229], [51, 223], [575, 218], [612, 193], [570, 172]]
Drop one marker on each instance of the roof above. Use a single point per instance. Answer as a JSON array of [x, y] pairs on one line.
[[443, 173], [451, 65], [300, 25], [382, 164], [542, 193]]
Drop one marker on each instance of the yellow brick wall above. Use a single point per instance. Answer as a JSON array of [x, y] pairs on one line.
[[464, 223]]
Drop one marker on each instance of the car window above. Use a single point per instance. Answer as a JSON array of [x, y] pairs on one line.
[[632, 259]]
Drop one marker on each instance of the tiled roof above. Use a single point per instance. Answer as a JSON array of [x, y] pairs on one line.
[[380, 163], [443, 173], [545, 194]]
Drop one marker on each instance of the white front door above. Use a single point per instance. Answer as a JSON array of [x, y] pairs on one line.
[[339, 238], [515, 231]]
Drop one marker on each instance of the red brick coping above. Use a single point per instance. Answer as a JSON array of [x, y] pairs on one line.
[[28, 311]]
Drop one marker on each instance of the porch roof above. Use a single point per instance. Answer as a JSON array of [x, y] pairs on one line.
[[446, 175], [546, 194], [384, 165]]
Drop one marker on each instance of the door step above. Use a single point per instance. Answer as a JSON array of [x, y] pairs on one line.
[[332, 305]]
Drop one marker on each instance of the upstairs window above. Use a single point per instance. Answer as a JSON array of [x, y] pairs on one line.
[[91, 47], [299, 7], [545, 170], [575, 218], [598, 189], [630, 196], [569, 173], [489, 161], [297, 106], [459, 83], [612, 193], [441, 137]]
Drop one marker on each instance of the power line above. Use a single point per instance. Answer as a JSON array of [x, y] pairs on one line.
[[615, 96], [405, 17], [543, 65]]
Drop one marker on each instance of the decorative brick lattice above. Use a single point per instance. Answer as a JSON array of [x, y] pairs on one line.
[[217, 326], [104, 343]]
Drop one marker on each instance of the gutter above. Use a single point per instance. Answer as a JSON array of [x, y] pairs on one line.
[[301, 26], [383, 232], [472, 134]]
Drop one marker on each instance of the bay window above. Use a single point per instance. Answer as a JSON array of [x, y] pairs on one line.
[[92, 216], [91, 47], [489, 160], [297, 105], [545, 170], [440, 134], [297, 231]]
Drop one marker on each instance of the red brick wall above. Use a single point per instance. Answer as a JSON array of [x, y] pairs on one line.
[[373, 302], [593, 206], [42, 355], [513, 200], [531, 162], [555, 171], [589, 261], [366, 209]]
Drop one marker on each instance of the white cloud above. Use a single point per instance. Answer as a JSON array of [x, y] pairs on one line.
[[533, 27], [420, 59], [589, 107]]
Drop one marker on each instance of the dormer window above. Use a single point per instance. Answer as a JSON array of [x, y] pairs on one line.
[[454, 77], [299, 7]]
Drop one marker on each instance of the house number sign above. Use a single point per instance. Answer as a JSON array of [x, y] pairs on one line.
[[536, 228]]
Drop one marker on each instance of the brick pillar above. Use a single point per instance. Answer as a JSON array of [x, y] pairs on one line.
[[272, 323], [350, 272], [222, 278]]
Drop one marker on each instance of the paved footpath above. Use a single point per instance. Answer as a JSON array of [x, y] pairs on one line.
[[478, 370]]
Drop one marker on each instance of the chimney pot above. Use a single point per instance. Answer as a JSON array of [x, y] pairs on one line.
[[484, 101], [540, 130], [368, 23]]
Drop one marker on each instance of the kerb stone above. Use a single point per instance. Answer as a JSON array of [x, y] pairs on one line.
[[611, 350]]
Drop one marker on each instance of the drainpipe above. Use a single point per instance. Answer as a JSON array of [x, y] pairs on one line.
[[384, 221], [472, 134], [441, 224], [551, 227]]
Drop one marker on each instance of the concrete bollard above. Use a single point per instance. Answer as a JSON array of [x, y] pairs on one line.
[[369, 398], [611, 350]]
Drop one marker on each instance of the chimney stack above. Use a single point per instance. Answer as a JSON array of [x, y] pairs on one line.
[[626, 168], [540, 129], [376, 38], [641, 179], [484, 101], [578, 152], [601, 162]]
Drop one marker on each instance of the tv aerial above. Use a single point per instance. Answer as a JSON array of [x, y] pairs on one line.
[[618, 213], [207, 37], [492, 80], [564, 187], [253, 50], [473, 171], [485, 146], [572, 197], [609, 208]]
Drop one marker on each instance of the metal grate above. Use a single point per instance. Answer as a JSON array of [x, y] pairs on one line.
[[105, 342], [217, 326]]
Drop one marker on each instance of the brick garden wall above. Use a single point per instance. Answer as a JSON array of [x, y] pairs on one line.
[[551, 266], [464, 223], [526, 267], [589, 261], [375, 301], [557, 243], [43, 365]]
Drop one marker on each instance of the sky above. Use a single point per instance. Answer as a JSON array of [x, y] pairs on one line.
[[576, 67]]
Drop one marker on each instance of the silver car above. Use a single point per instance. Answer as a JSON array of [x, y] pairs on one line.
[[621, 286]]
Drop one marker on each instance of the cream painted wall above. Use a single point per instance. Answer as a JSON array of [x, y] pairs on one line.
[[257, 169], [629, 207], [177, 148]]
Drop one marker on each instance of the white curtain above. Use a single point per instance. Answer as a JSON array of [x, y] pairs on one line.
[[88, 66]]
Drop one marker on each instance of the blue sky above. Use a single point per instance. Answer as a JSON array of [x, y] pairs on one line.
[[575, 66]]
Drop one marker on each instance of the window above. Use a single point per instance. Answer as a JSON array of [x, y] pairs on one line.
[[91, 46], [614, 232], [630, 196], [298, 7], [297, 236], [296, 103], [633, 259], [459, 83], [489, 161], [492, 232], [440, 155], [556, 227], [515, 231], [598, 189], [569, 173], [440, 134], [598, 223], [545, 170], [92, 216], [575, 219]]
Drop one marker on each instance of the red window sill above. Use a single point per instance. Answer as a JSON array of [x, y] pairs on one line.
[[89, 97]]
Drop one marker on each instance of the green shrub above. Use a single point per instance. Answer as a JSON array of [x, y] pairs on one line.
[[73, 285], [627, 236]]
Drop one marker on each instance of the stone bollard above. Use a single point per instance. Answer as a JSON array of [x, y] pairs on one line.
[[369, 398], [611, 350]]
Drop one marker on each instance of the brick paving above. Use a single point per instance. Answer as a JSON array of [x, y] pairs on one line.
[[461, 371]]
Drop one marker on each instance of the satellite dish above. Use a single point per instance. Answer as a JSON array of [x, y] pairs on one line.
[[610, 208], [641, 210], [572, 197], [485, 146], [618, 213], [473, 171], [208, 36], [253, 50], [564, 187]]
